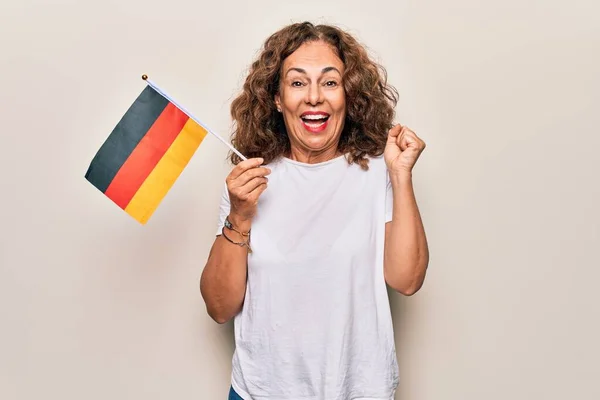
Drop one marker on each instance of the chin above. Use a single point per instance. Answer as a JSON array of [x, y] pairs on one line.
[[317, 143]]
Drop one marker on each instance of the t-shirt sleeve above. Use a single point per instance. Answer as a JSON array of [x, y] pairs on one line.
[[224, 208], [389, 199]]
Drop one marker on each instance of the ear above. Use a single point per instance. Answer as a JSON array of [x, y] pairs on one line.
[[278, 101]]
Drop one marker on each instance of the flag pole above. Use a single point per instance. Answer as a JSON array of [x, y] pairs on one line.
[[153, 85]]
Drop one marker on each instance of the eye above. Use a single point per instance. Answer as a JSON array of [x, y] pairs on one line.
[[296, 83], [331, 83]]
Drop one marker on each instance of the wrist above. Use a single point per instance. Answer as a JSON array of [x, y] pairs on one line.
[[401, 177], [239, 222]]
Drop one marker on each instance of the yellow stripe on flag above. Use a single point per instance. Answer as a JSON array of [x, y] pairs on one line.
[[166, 172]]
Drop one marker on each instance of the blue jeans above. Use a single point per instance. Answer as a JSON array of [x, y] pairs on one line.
[[233, 395]]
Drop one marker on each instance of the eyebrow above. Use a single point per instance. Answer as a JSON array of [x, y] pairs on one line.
[[323, 71]]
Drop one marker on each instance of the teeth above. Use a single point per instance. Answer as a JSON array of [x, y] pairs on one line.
[[314, 117], [315, 124]]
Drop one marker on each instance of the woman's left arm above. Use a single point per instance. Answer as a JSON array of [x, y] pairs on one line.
[[406, 251]]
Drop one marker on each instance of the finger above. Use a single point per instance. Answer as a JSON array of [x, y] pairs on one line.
[[400, 138], [411, 137], [255, 194], [395, 131], [250, 186], [249, 175], [407, 141], [406, 132], [244, 166]]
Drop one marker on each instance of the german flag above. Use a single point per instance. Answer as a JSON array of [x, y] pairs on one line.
[[144, 154]]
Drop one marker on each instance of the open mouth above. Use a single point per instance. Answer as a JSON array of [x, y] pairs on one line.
[[314, 121]]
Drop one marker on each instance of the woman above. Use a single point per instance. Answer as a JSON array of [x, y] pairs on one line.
[[315, 223]]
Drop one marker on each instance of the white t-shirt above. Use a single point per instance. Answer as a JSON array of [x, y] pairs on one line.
[[316, 322]]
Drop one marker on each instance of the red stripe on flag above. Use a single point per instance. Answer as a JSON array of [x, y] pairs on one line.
[[146, 155]]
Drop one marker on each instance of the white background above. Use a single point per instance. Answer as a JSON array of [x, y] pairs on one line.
[[505, 93]]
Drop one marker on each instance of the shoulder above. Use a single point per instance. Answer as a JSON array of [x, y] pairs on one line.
[[377, 164], [376, 159]]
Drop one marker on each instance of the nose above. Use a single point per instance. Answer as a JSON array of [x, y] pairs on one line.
[[314, 94]]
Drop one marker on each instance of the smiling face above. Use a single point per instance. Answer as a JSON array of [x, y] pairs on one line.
[[313, 102]]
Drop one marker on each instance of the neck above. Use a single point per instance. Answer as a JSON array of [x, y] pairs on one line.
[[312, 156]]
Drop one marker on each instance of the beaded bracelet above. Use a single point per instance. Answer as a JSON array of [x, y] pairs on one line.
[[229, 225]]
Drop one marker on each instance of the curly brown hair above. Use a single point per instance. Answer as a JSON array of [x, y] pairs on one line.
[[259, 130]]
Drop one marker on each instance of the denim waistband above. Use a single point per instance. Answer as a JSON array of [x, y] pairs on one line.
[[233, 395]]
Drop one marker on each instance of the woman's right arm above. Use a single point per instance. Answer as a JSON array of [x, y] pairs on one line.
[[223, 280]]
